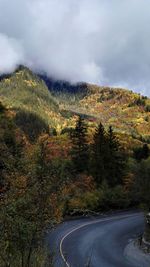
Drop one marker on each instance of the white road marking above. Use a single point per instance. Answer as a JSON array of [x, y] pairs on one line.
[[84, 225]]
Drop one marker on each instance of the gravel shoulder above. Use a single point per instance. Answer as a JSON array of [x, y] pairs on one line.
[[135, 255]]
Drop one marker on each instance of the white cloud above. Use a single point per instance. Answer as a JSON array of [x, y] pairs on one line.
[[11, 54], [98, 41]]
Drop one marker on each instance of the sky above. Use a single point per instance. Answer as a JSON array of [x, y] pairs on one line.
[[97, 41]]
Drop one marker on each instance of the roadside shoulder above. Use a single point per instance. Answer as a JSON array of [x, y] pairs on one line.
[[136, 256]]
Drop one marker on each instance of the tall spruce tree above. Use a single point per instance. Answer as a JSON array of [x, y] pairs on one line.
[[115, 161], [79, 152], [108, 161], [141, 153], [99, 152]]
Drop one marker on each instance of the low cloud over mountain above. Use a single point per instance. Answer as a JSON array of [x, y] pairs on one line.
[[98, 41]]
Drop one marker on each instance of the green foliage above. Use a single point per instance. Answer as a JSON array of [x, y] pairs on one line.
[[66, 113], [112, 198], [99, 152], [67, 130], [52, 132], [141, 152], [147, 108], [2, 108], [56, 105], [31, 124], [141, 188], [140, 101], [25, 91], [105, 97], [116, 160], [27, 210], [10, 151], [108, 160], [41, 175], [79, 151]]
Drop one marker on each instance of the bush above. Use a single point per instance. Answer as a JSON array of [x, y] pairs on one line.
[[139, 102], [147, 108], [113, 198], [52, 132], [67, 130]]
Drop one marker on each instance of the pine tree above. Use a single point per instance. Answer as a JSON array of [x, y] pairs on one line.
[[141, 152], [146, 151], [108, 160], [115, 160], [99, 151], [79, 151]]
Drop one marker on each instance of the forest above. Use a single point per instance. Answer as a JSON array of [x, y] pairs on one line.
[[46, 178]]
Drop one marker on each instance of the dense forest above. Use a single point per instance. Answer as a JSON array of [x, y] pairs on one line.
[[47, 175]]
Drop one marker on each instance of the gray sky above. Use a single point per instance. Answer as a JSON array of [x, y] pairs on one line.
[[99, 41]]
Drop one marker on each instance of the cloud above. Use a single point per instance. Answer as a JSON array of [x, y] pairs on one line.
[[10, 54], [98, 41]]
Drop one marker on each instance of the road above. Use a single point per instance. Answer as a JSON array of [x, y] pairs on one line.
[[99, 241]]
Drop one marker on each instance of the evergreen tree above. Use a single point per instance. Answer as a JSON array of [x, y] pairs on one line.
[[79, 151], [146, 151], [141, 152], [108, 160], [99, 151], [115, 159]]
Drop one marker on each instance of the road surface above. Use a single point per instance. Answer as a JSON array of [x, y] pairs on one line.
[[99, 241]]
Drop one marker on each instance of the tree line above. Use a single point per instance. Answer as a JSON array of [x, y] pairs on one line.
[[104, 158], [37, 191]]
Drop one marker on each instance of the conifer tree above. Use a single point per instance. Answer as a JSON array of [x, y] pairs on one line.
[[99, 153], [115, 160], [108, 161], [141, 152], [79, 151]]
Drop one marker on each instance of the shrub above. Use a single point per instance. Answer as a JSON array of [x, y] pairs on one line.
[[147, 108]]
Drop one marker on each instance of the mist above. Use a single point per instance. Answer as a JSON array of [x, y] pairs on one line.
[[97, 41]]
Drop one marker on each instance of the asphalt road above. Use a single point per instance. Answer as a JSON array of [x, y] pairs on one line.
[[99, 241]]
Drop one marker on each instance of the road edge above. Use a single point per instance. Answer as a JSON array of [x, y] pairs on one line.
[[136, 256]]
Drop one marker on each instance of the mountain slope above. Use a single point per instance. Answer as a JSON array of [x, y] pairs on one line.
[[126, 111], [57, 103], [25, 91]]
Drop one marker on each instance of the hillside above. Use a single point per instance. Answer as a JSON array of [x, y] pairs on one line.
[[47, 175], [24, 92], [56, 103], [126, 111]]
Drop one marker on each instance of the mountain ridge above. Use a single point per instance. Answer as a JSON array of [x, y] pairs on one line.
[[58, 103]]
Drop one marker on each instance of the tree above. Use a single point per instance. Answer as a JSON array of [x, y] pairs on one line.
[[27, 209], [31, 124], [99, 151], [108, 160], [140, 153], [79, 152], [115, 160], [141, 186]]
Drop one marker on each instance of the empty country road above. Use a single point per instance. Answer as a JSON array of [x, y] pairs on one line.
[[99, 241]]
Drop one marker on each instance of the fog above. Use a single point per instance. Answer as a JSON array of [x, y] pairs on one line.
[[98, 41]]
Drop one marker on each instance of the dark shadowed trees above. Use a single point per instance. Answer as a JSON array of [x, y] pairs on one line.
[[115, 159], [108, 160], [99, 152], [79, 152], [141, 152]]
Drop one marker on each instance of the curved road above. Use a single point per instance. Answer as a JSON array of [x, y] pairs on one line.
[[99, 241]]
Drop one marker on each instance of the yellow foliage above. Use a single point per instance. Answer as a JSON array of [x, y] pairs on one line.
[[30, 83]]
